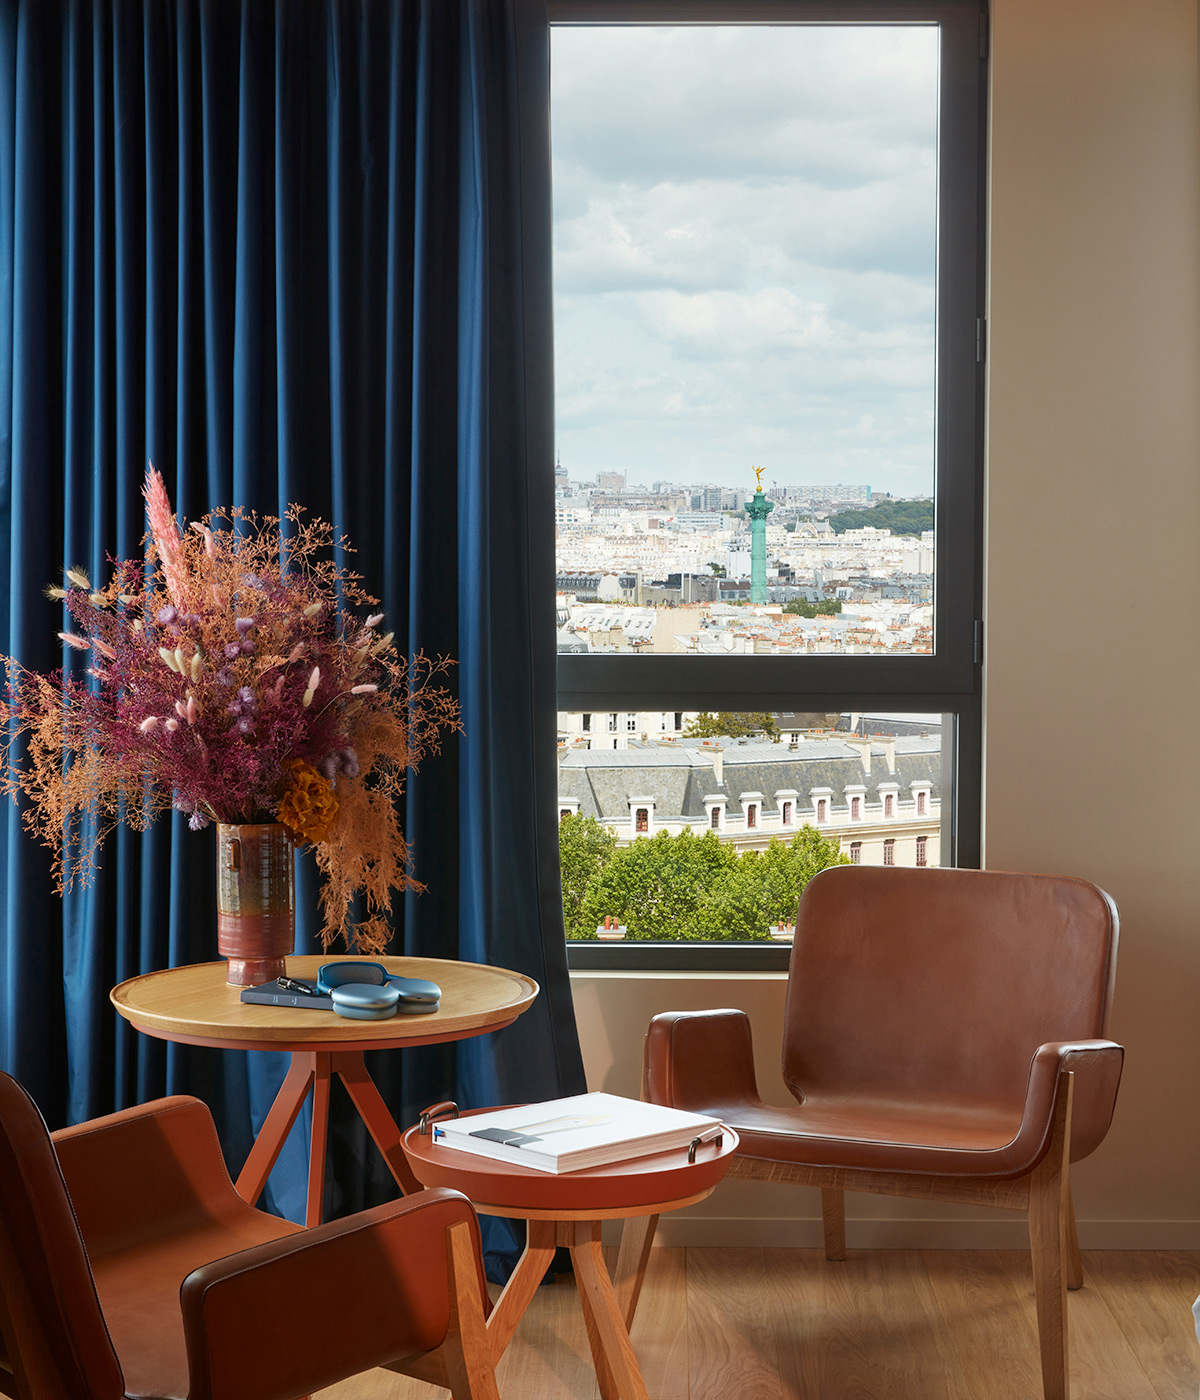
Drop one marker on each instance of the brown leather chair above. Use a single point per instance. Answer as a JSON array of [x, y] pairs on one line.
[[129, 1267], [943, 1039]]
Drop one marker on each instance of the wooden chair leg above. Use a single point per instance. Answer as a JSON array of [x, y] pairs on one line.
[[1047, 1240], [833, 1219], [466, 1352], [1074, 1258]]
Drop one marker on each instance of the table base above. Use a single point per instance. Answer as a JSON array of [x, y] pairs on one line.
[[314, 1069], [608, 1304]]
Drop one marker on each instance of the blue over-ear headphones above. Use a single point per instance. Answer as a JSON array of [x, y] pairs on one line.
[[366, 991]]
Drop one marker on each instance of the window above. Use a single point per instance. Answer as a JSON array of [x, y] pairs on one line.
[[631, 722], [922, 845], [855, 852], [585, 723], [710, 238], [889, 852], [752, 815], [564, 812], [642, 822]]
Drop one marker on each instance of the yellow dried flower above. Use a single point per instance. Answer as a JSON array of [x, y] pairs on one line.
[[309, 806]]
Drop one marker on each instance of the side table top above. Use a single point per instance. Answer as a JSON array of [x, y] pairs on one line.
[[195, 1004], [629, 1187]]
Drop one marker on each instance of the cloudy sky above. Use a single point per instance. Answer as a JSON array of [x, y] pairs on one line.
[[744, 253]]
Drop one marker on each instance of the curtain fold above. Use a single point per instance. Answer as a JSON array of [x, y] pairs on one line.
[[289, 252]]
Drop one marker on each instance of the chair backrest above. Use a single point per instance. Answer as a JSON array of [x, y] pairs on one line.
[[942, 983], [55, 1336]]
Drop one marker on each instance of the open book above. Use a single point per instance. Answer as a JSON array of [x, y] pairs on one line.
[[566, 1135]]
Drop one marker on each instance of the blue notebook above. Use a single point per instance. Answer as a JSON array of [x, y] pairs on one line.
[[272, 994]]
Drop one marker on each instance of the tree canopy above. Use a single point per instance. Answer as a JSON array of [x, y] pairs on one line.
[[900, 517], [687, 887], [827, 607], [734, 726]]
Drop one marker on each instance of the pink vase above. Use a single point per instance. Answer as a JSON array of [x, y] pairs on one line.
[[256, 902]]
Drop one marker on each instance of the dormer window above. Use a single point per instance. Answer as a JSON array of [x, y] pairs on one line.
[[714, 818], [641, 821], [714, 808], [752, 815], [568, 807], [785, 814], [922, 801], [889, 804], [822, 809], [855, 809]]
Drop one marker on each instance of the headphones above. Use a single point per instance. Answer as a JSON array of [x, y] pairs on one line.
[[366, 991]]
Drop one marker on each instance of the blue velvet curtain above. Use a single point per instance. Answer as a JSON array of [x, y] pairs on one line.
[[289, 250]]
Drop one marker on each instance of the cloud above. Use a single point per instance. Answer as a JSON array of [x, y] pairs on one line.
[[744, 250]]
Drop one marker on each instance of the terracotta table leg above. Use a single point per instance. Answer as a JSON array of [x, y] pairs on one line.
[[374, 1113], [320, 1135], [276, 1126]]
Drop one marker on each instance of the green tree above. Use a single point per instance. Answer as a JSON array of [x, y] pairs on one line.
[[697, 888], [734, 726], [827, 607], [656, 885], [585, 846], [900, 517]]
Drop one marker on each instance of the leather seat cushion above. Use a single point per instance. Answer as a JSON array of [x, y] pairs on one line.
[[139, 1294], [933, 1139]]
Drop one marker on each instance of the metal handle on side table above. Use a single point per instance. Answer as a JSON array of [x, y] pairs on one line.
[[447, 1109], [714, 1135]]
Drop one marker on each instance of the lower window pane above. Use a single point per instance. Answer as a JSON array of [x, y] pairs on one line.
[[689, 826]]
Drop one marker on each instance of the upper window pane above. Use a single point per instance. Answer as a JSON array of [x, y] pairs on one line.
[[745, 258]]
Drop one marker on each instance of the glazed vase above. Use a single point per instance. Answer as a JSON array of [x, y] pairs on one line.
[[256, 901]]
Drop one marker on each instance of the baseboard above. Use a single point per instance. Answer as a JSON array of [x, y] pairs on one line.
[[880, 1233]]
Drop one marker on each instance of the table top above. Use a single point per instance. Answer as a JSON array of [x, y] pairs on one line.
[[194, 1005], [635, 1186]]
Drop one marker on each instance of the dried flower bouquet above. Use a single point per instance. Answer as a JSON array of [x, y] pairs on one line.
[[229, 678]]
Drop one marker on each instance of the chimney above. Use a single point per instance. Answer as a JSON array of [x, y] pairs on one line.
[[887, 742], [863, 745], [718, 758]]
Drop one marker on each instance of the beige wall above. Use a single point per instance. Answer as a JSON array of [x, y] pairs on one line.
[[1092, 753]]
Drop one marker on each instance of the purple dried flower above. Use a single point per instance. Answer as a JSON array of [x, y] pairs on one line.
[[329, 766], [232, 650], [245, 726], [252, 580], [243, 624], [167, 615], [351, 769], [246, 696], [198, 820], [225, 676], [248, 646]]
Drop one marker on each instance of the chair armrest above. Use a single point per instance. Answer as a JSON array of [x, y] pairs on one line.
[[700, 1061], [297, 1314], [151, 1170], [1096, 1065]]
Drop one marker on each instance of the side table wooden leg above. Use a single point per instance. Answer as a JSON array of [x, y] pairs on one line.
[[600, 1309], [276, 1126], [320, 1135], [374, 1113], [522, 1284], [637, 1237]]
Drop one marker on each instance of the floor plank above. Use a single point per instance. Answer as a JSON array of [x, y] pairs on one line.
[[783, 1324], [1151, 1294], [862, 1328], [731, 1341]]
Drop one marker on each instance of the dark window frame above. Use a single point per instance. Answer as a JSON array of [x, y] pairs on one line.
[[949, 681]]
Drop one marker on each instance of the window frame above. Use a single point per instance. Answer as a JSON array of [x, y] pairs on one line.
[[949, 681]]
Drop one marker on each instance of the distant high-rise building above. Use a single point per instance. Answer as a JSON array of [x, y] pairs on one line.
[[611, 481]]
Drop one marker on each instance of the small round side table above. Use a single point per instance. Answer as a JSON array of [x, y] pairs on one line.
[[195, 1006], [567, 1209]]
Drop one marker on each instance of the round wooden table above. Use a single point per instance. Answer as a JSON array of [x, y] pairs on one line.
[[195, 1006], [568, 1208]]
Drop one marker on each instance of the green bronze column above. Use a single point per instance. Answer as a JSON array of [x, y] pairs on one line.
[[758, 508]]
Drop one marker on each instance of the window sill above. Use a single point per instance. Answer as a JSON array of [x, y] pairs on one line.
[[680, 958]]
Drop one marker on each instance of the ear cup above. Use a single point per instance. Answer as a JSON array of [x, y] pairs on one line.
[[360, 1001]]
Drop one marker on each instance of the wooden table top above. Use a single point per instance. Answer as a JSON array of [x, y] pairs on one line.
[[618, 1190], [195, 1004]]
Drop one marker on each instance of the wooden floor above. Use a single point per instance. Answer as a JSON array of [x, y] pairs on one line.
[[785, 1324]]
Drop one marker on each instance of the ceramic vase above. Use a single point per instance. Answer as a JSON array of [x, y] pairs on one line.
[[256, 901]]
